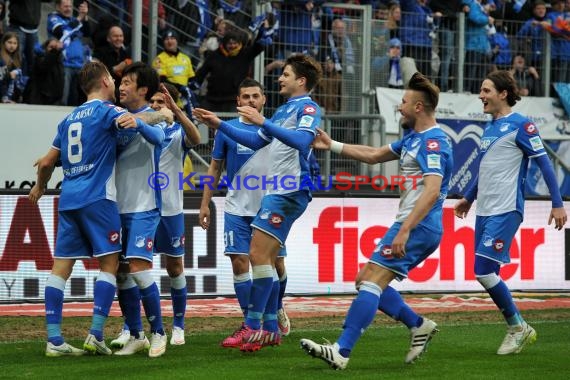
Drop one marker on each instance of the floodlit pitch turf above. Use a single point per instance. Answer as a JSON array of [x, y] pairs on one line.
[[463, 349]]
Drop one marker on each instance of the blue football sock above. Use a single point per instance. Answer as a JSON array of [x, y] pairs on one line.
[[504, 301], [392, 304], [261, 288], [53, 298], [282, 287], [178, 293], [150, 298], [359, 317], [242, 287], [130, 302], [103, 295], [270, 314]]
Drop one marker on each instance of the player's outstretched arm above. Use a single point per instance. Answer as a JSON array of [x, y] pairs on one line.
[[152, 118], [363, 153], [45, 166]]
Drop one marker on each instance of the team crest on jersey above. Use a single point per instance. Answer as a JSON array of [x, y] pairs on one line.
[[432, 145], [114, 237], [498, 245], [139, 241], [387, 251], [415, 142], [530, 128], [486, 142], [175, 241], [264, 214], [276, 220], [149, 244], [504, 127], [310, 110], [487, 241]]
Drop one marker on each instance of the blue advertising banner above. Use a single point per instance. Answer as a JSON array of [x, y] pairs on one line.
[[465, 136]]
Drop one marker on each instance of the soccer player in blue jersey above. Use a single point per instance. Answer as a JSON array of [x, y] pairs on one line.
[[241, 206], [169, 238], [424, 152], [289, 134], [507, 144], [139, 207], [88, 218]]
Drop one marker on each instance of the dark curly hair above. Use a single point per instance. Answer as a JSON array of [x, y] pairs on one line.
[[504, 81]]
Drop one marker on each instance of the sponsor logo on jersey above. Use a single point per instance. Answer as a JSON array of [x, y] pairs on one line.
[[387, 251], [536, 143], [276, 220], [114, 237], [432, 145], [498, 246], [310, 110], [434, 161], [530, 128], [241, 149]]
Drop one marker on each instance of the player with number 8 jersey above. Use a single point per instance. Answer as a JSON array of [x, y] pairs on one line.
[[88, 218]]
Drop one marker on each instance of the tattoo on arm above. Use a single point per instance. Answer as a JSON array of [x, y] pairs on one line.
[[151, 118]]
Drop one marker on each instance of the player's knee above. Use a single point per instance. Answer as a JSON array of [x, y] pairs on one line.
[[174, 267], [240, 264], [488, 281]]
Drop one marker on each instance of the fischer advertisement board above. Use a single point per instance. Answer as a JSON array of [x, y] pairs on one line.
[[326, 248]]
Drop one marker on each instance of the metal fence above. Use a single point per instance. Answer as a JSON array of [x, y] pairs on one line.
[[354, 47]]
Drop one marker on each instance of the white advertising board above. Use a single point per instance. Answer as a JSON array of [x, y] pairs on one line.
[[326, 248]]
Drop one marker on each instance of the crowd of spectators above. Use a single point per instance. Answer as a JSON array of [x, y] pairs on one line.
[[207, 46]]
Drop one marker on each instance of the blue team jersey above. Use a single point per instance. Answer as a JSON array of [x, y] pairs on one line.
[[241, 162], [423, 153], [506, 146], [300, 113], [86, 140]]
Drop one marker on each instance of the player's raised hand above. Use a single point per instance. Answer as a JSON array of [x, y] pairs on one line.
[[322, 141], [170, 103], [461, 208], [559, 216], [251, 114], [127, 120], [207, 117]]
